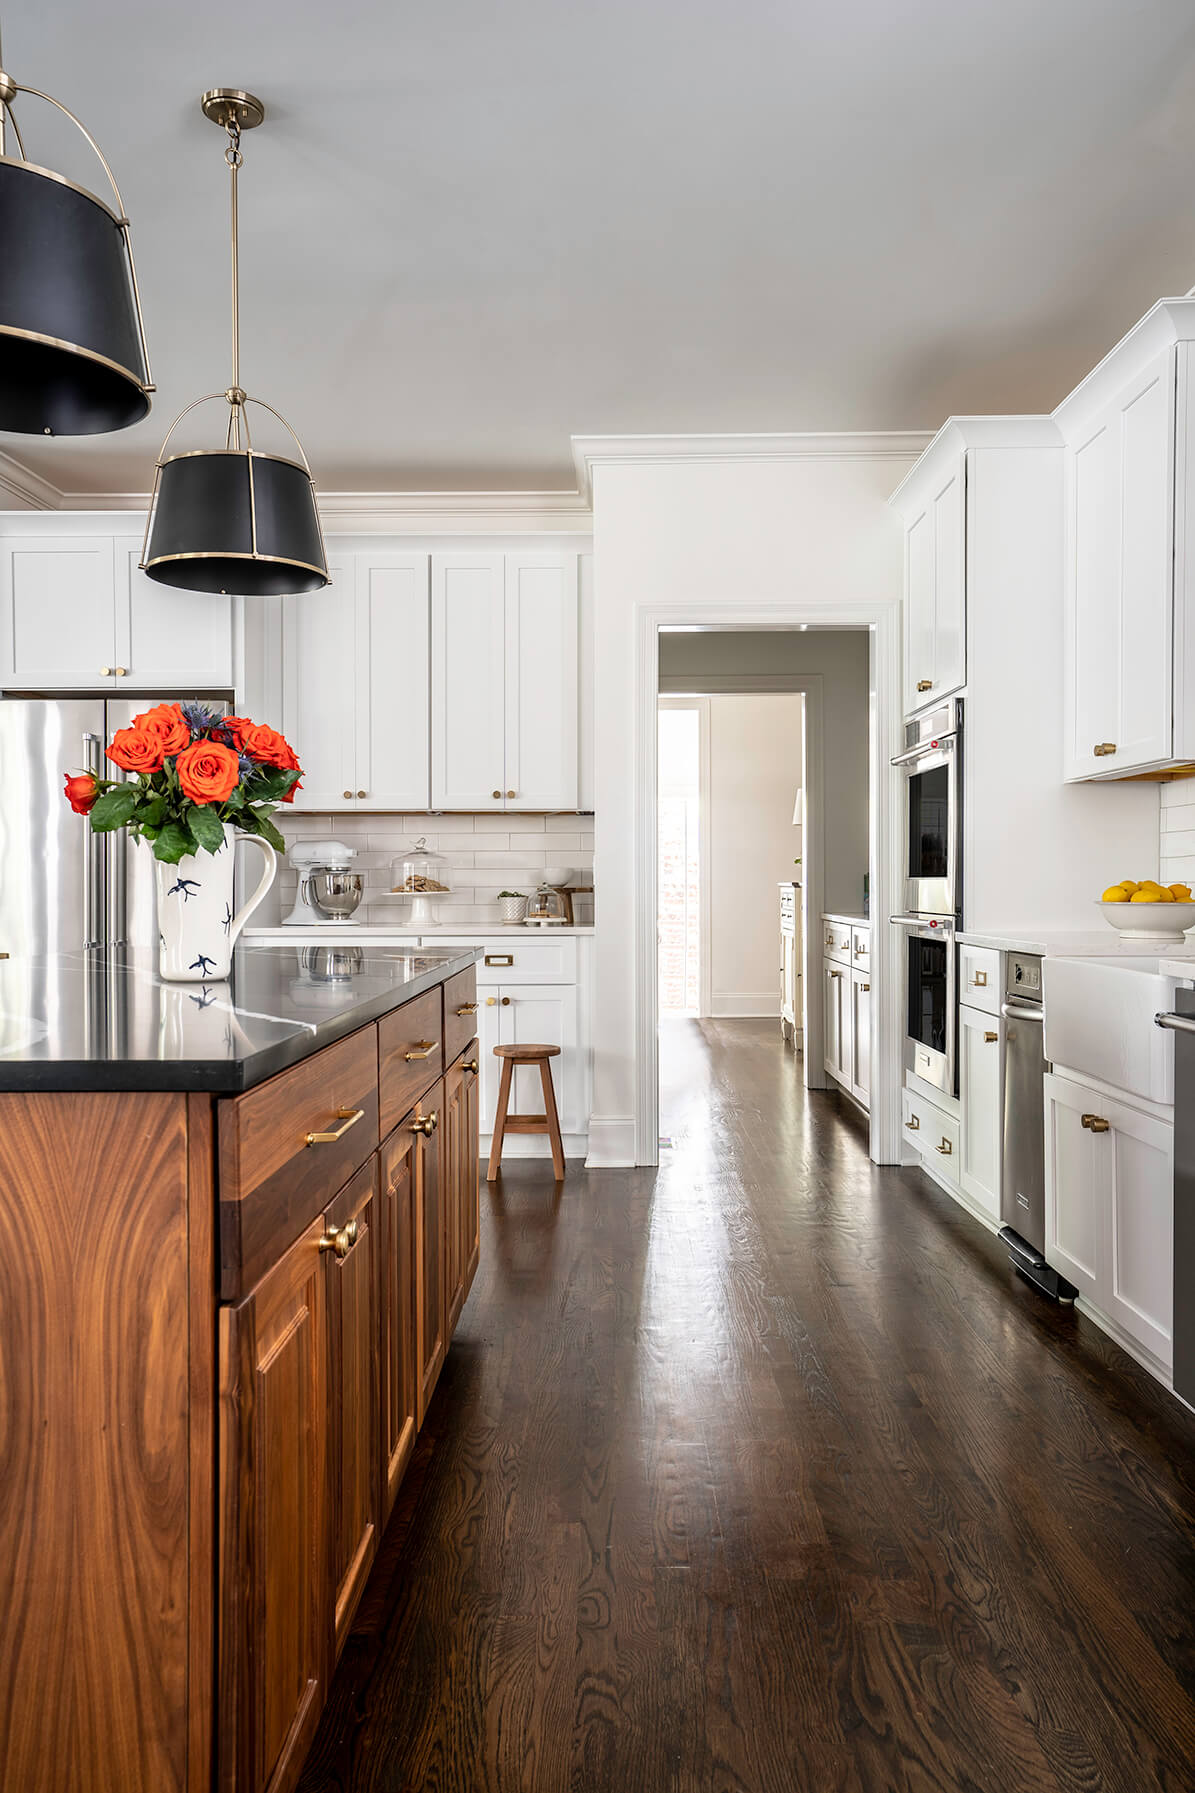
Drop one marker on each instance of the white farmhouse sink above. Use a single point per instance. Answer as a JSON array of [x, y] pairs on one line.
[[1099, 1017]]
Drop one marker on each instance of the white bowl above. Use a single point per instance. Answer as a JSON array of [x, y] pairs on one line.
[[557, 876], [1149, 921]]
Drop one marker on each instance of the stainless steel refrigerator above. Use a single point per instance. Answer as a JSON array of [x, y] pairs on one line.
[[62, 886]]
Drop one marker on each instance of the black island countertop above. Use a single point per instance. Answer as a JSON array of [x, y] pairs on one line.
[[104, 1020]]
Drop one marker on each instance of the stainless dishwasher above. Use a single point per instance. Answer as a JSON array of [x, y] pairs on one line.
[[1023, 1179]]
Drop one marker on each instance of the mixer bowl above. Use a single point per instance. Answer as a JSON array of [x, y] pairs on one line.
[[335, 894]]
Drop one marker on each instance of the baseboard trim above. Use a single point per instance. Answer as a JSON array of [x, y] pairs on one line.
[[750, 1005], [611, 1142]]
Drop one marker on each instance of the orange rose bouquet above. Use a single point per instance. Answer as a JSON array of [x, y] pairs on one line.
[[189, 773]]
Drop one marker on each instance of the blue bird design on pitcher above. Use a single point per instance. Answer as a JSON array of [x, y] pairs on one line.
[[185, 887], [202, 964]]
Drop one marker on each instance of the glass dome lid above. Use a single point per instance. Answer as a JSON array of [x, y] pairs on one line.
[[547, 905], [420, 872]]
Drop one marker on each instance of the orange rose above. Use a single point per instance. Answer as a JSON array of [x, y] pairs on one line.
[[136, 749], [265, 745], [81, 791], [168, 723], [208, 772], [296, 787], [236, 726]]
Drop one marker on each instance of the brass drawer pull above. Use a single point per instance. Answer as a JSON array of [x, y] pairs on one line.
[[913, 1124], [471, 1064], [342, 1242], [829, 939], [467, 1008], [989, 1039], [498, 959], [348, 1117], [979, 980], [836, 974], [427, 1125], [1102, 749], [1094, 1122], [426, 1048], [860, 948], [946, 1149], [925, 684], [865, 986]]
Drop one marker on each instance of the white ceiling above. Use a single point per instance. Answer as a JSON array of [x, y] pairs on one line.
[[471, 229]]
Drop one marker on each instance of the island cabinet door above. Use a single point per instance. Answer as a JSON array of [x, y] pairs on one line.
[[430, 1328], [452, 1187], [275, 1611], [350, 1247], [470, 1204], [400, 1394]]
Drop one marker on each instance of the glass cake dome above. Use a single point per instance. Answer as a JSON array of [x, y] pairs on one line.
[[421, 876]]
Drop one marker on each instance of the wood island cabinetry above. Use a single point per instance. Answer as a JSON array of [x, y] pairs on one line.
[[264, 1287]]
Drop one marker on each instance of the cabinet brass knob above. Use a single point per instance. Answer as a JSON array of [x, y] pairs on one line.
[[348, 793], [836, 974], [426, 1125], [491, 1002], [362, 793], [498, 794], [341, 1242], [989, 1039], [348, 1117], [945, 1148], [471, 1064], [1102, 749], [105, 672], [120, 671], [865, 986], [925, 684], [424, 1050], [913, 1124], [1094, 1122], [512, 793], [506, 1002]]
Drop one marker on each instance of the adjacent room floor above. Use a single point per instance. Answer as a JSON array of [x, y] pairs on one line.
[[764, 1472]]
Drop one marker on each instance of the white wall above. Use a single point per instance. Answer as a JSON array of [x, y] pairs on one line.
[[840, 658], [755, 769], [812, 529]]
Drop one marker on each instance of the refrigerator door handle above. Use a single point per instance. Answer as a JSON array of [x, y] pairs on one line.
[[93, 873], [117, 844]]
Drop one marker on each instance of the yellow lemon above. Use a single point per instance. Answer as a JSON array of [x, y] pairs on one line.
[[1149, 886], [1181, 893], [1128, 885], [1144, 895], [1115, 893]]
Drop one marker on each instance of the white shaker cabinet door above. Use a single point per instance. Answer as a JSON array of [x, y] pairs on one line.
[[936, 593], [468, 682], [170, 640], [545, 1015], [1138, 1292], [318, 683], [979, 1095], [834, 1009], [58, 610], [860, 999], [541, 681], [1076, 1187], [392, 682]]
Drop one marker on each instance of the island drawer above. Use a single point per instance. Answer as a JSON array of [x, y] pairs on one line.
[[286, 1148], [410, 1055], [460, 1012]]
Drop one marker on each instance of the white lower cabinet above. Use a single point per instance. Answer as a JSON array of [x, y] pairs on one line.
[[521, 1015], [1110, 1209], [846, 1009], [860, 997], [933, 1133], [980, 1047], [836, 1020]]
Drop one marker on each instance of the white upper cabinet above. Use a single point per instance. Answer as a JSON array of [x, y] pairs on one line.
[[933, 501], [355, 684], [504, 663], [77, 614]]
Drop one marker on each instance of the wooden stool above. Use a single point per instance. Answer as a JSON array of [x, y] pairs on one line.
[[548, 1122]]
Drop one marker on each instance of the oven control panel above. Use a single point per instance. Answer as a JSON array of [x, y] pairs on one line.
[[1024, 976]]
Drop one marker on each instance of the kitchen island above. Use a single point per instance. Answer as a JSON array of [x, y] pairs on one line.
[[239, 1223]]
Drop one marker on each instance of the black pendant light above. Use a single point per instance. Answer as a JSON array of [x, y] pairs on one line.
[[233, 519], [73, 360]]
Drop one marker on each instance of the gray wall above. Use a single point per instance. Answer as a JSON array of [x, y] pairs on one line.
[[689, 660]]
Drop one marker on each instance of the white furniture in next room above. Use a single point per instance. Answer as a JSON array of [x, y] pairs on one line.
[[792, 1014], [846, 998]]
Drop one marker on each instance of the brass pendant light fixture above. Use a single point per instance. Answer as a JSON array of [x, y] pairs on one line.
[[73, 360], [234, 519]]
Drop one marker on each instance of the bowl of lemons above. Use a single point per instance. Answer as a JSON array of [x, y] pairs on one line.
[[1149, 911]]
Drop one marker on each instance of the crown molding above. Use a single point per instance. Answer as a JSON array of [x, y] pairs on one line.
[[813, 445], [405, 513], [957, 434], [29, 491]]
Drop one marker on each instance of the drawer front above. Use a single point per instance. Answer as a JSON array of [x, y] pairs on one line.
[[836, 941], [548, 960], [979, 978], [460, 1013], [410, 1055], [272, 1182], [932, 1133], [861, 949], [788, 905]]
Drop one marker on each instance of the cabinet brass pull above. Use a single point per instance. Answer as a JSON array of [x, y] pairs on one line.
[[342, 1242], [467, 1008], [979, 980], [348, 793], [105, 672], [859, 950], [471, 1064], [925, 684], [989, 1039], [498, 794], [829, 939], [491, 1002], [865, 986], [362, 793], [836, 974], [512, 793], [946, 1149], [499, 959], [348, 1117], [506, 1002], [913, 1124], [1094, 1122], [425, 1050], [1102, 749], [426, 1125], [120, 671]]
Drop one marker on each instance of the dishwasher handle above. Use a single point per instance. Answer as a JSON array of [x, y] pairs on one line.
[[1014, 1012], [1176, 1023]]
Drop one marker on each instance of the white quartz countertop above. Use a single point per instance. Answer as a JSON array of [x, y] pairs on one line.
[[365, 931], [850, 921], [1104, 944]]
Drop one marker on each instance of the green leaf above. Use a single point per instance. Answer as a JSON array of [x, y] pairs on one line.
[[114, 808], [205, 824], [269, 782], [270, 833], [174, 841], [152, 812]]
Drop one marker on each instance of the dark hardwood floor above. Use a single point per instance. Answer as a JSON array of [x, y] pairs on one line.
[[764, 1472]]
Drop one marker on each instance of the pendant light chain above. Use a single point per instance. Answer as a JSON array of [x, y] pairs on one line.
[[236, 396]]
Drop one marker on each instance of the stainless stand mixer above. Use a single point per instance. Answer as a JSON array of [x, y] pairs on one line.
[[329, 891]]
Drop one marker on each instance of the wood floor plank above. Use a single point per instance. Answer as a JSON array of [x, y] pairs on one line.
[[764, 1473]]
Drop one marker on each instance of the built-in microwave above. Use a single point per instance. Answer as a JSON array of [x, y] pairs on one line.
[[932, 765]]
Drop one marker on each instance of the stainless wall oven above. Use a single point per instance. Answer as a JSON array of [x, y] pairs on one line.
[[931, 991], [932, 764]]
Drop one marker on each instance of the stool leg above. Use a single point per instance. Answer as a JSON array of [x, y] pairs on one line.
[[495, 1164], [552, 1118]]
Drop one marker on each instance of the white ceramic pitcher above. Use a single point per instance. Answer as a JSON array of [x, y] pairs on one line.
[[197, 929]]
